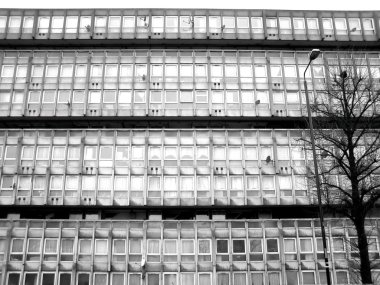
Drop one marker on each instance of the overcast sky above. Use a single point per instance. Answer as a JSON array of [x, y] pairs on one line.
[[216, 4]]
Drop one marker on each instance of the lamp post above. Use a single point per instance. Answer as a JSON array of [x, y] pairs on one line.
[[313, 55]]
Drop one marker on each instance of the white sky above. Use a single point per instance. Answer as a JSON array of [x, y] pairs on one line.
[[216, 4]]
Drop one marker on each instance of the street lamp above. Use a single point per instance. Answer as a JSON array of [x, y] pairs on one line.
[[313, 55]]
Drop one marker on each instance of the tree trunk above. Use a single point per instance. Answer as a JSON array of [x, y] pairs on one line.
[[365, 265]]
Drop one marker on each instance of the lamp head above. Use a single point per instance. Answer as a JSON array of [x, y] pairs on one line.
[[314, 54]]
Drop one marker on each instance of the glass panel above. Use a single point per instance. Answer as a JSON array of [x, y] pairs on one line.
[[48, 278], [65, 279]]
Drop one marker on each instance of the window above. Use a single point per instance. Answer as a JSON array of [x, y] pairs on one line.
[[157, 24], [338, 248], [368, 26], [39, 186], [7, 71], [201, 97], [106, 156], [90, 152], [121, 156], [238, 250], [341, 26], [96, 70], [204, 250], [291, 277], [299, 25], [85, 250], [312, 24], [257, 278], [119, 250], [327, 25], [240, 278], [203, 186], [57, 24], [51, 71], [309, 277], [223, 278], [83, 279], [14, 24], [285, 185], [187, 250], [50, 249], [276, 71], [135, 250], [171, 97], [170, 153], [10, 155], [260, 72], [257, 24], [215, 24], [153, 250], [187, 187], [17, 249], [271, 22], [137, 186], [341, 277], [306, 249], [285, 25], [43, 153], [28, 23], [355, 27], [21, 71], [200, 24], [201, 70], [109, 97], [170, 250], [243, 24], [27, 153], [101, 250], [278, 97], [58, 155], [48, 97], [272, 249], [31, 278], [128, 24], [85, 24], [186, 72], [318, 71], [7, 186], [80, 70], [222, 252], [186, 24], [67, 249], [56, 185], [114, 24], [3, 23], [104, 186], [24, 185], [256, 250], [246, 73], [100, 279], [290, 249], [170, 186], [34, 97], [290, 71], [139, 97], [34, 249], [71, 24], [110, 70], [292, 97], [229, 24]]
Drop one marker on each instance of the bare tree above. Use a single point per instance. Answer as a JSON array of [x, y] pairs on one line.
[[346, 117]]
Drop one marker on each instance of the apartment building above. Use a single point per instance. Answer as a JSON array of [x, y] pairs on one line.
[[162, 147]]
